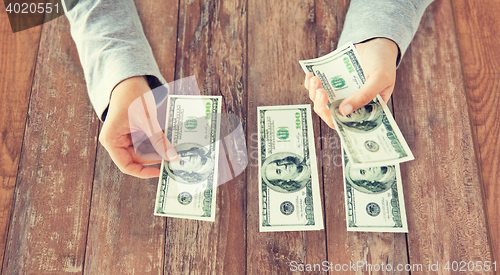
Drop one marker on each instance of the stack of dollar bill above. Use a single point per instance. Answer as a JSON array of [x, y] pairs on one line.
[[372, 146]]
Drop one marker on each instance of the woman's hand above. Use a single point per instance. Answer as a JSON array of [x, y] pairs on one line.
[[378, 58], [131, 120]]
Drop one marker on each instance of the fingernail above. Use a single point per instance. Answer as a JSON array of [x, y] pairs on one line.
[[347, 109], [313, 82], [171, 154]]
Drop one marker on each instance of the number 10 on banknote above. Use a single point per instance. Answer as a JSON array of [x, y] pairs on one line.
[[289, 197]]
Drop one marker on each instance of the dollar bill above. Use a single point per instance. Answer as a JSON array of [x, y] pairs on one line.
[[289, 195], [374, 198], [340, 72], [187, 186], [370, 134]]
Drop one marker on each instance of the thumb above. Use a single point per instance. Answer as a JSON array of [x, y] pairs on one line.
[[144, 122], [163, 146], [372, 87]]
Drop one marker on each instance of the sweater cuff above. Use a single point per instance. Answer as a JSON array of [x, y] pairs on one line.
[[394, 20]]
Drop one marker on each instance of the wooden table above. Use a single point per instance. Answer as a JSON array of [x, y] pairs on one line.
[[65, 208]]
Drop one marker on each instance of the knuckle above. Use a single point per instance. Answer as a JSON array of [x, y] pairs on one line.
[[317, 82], [365, 98]]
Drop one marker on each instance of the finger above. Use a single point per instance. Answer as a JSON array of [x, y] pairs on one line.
[[307, 79], [147, 156], [314, 85], [373, 86], [163, 146], [140, 171], [124, 161], [142, 114], [321, 108], [139, 138], [386, 94], [141, 150]]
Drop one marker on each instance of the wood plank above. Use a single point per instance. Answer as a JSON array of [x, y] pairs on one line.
[[443, 194], [124, 236], [49, 223], [330, 17], [347, 247], [478, 24], [278, 37], [212, 46], [17, 66]]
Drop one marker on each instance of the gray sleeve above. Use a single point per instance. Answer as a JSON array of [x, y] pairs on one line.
[[397, 20], [111, 45]]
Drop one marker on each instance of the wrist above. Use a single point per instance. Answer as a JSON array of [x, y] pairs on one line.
[[394, 48], [387, 45], [128, 90]]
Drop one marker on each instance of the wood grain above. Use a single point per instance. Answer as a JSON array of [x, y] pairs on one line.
[[330, 17], [17, 66], [212, 47], [477, 26], [443, 194], [278, 37], [50, 216], [124, 236], [246, 51]]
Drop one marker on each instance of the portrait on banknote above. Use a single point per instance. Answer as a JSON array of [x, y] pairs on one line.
[[364, 119], [194, 163], [371, 180], [286, 172]]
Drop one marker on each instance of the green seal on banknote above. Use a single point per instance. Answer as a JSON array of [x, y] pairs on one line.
[[338, 82], [193, 164], [282, 133], [286, 172], [191, 123]]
